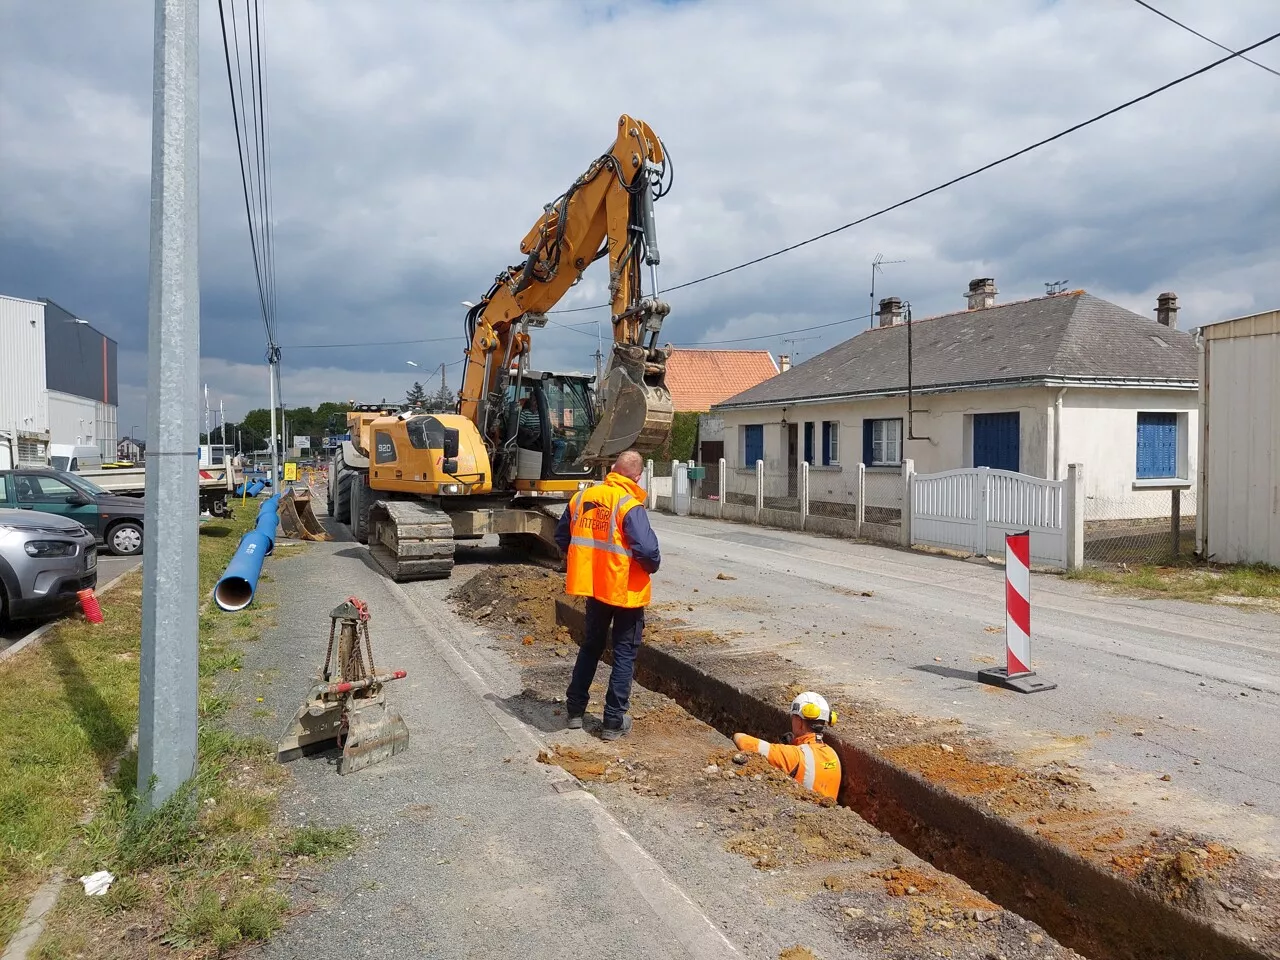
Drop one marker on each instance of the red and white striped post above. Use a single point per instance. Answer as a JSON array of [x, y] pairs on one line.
[[1017, 603], [1017, 674]]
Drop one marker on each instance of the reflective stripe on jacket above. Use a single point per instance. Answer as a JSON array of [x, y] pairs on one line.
[[599, 558], [808, 760]]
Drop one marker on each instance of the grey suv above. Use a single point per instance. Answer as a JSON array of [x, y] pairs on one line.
[[44, 560]]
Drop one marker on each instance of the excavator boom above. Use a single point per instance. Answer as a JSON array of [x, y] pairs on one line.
[[606, 212]]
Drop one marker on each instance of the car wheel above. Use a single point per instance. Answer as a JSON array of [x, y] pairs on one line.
[[125, 539], [4, 606]]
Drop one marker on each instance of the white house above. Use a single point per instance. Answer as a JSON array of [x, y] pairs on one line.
[[1029, 386], [1239, 520]]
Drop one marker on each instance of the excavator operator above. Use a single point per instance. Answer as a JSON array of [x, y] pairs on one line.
[[610, 551], [802, 755]]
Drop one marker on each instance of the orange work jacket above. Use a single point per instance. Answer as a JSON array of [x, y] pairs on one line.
[[599, 559], [808, 760]]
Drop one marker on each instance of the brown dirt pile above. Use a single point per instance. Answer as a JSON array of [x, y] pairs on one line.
[[1003, 788], [797, 953], [585, 764], [522, 596]]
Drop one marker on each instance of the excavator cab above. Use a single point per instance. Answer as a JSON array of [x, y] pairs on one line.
[[549, 419]]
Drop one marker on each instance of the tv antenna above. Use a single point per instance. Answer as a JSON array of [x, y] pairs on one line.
[[877, 268], [792, 352], [1054, 287]]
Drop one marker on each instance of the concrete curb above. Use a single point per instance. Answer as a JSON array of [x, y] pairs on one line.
[[33, 920], [35, 635]]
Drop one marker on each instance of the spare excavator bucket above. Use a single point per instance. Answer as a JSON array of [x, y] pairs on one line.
[[637, 411], [297, 519]]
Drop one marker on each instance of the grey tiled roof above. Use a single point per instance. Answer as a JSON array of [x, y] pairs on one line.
[[1069, 335]]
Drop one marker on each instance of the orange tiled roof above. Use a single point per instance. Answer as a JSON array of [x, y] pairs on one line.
[[699, 378]]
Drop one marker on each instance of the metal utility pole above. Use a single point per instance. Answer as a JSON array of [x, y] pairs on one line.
[[273, 363], [169, 686]]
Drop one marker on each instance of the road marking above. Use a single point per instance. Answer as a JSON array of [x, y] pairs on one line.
[[684, 918]]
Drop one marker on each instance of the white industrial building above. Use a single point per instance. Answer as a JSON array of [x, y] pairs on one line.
[[1239, 518], [58, 381]]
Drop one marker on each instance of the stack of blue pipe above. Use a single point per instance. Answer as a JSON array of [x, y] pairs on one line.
[[235, 590]]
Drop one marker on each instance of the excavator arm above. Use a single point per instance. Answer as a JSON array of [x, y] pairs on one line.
[[606, 212]]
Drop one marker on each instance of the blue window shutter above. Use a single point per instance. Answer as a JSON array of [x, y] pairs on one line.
[[826, 442], [753, 445], [867, 428], [808, 442], [1157, 445]]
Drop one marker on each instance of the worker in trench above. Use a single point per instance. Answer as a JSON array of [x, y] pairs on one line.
[[610, 551], [802, 754]]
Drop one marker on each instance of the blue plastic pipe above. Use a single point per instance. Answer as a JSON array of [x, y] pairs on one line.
[[235, 590], [255, 488], [266, 525]]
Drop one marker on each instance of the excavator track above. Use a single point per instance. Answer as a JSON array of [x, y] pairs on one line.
[[411, 540]]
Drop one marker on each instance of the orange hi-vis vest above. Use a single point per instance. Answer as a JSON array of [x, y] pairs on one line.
[[808, 760], [599, 560]]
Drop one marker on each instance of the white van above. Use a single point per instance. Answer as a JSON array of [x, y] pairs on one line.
[[74, 457]]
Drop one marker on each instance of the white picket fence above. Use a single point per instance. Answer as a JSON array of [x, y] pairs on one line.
[[968, 510], [972, 509]]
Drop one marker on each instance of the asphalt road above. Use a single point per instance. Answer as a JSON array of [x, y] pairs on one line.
[[109, 568], [1202, 682]]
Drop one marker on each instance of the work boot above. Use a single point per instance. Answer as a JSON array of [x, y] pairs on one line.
[[575, 721], [613, 733]]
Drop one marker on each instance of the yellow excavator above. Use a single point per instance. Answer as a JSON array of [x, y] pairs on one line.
[[411, 483]]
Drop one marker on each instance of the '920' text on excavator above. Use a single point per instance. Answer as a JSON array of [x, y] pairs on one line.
[[410, 484]]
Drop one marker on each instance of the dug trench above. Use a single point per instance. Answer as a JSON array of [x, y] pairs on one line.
[[1067, 867]]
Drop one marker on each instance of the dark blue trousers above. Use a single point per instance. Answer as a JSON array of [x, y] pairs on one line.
[[628, 628]]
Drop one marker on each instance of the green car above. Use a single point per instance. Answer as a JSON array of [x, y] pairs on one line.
[[115, 521]]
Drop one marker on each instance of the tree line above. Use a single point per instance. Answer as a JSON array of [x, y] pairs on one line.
[[326, 419]]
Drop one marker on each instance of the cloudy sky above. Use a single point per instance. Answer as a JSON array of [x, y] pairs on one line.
[[414, 143]]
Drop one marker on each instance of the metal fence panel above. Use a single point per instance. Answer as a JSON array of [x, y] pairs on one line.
[[1146, 527]]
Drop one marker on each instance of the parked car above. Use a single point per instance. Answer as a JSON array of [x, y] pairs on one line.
[[114, 520], [44, 560]]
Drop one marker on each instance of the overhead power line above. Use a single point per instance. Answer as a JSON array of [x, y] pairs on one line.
[[1191, 30], [367, 343], [954, 180], [777, 333]]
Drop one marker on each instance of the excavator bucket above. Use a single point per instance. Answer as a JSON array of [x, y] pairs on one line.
[[375, 732], [636, 414], [297, 519]]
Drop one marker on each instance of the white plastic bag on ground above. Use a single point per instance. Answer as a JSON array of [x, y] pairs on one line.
[[96, 884]]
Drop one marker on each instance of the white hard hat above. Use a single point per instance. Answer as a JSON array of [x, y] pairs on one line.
[[813, 706]]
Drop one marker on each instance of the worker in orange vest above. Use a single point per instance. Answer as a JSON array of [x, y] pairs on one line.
[[610, 550], [803, 755]]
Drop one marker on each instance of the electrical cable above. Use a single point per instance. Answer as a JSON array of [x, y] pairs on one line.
[[954, 180], [1220, 46], [244, 179], [777, 333]]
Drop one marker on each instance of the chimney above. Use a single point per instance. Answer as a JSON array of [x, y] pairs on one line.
[[1167, 310], [982, 293], [890, 313], [784, 362]]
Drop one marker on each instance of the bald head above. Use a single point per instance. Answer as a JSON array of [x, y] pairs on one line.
[[630, 464]]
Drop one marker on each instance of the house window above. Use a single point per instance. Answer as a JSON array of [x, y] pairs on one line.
[[1157, 446], [808, 442], [882, 442], [830, 442], [752, 444]]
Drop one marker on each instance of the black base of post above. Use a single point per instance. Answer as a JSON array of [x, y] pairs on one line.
[[1021, 682]]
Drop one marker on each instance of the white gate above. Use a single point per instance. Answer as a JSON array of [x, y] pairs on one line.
[[972, 510]]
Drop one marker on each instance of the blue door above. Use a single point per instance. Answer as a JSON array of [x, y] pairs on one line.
[[996, 441]]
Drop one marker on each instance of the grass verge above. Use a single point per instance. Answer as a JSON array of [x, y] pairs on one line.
[[64, 802], [1205, 583]]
